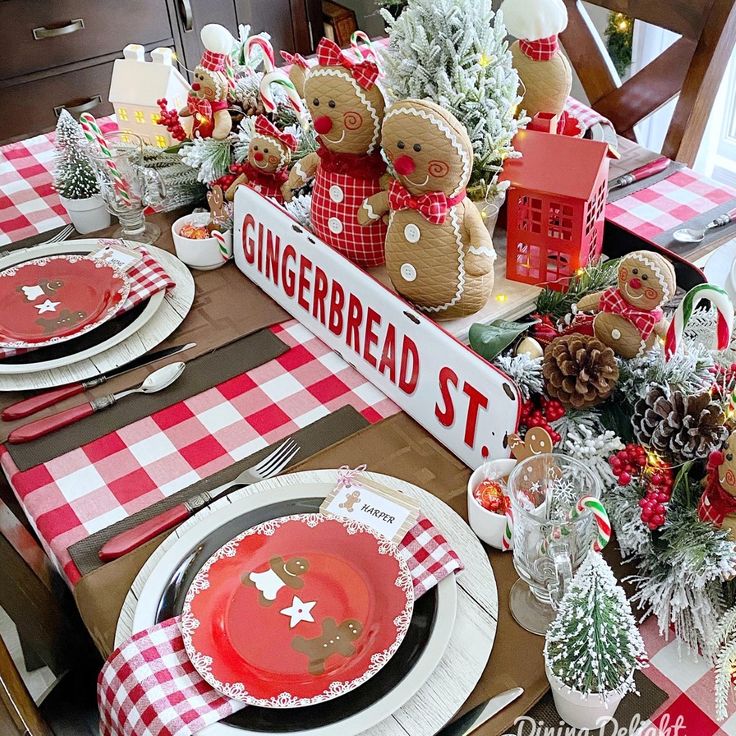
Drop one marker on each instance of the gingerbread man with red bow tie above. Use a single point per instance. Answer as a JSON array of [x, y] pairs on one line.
[[267, 166], [439, 254], [718, 502], [347, 108]]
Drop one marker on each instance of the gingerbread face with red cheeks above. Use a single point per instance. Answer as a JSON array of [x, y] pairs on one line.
[[727, 469], [643, 284], [205, 86], [266, 154], [347, 117], [429, 152]]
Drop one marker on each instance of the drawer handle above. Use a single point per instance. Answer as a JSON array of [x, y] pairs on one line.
[[91, 104], [185, 12], [71, 27]]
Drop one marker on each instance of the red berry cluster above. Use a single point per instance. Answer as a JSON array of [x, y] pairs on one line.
[[170, 120], [233, 172], [541, 412], [632, 462]]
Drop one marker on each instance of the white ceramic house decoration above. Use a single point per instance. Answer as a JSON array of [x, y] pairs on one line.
[[136, 85]]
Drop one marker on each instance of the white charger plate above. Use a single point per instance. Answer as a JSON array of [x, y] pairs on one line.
[[720, 268], [163, 313], [455, 655]]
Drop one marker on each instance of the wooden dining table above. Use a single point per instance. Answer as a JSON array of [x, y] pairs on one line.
[[71, 497]]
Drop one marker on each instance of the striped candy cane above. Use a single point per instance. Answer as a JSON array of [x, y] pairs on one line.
[[279, 78], [269, 58], [508, 531], [93, 134], [724, 307], [603, 523], [226, 249], [355, 41]]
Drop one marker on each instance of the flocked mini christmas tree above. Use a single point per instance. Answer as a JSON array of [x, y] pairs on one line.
[[455, 53], [74, 176], [593, 645]]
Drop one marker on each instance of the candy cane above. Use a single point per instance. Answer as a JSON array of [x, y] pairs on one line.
[[355, 41], [278, 78], [724, 307], [508, 531], [603, 523], [269, 58], [226, 251], [93, 134]]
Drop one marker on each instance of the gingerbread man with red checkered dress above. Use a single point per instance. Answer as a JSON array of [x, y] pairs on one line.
[[347, 107]]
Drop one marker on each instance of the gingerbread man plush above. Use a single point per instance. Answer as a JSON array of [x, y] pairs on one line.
[[439, 254], [718, 502], [629, 315], [269, 156], [347, 108], [206, 113]]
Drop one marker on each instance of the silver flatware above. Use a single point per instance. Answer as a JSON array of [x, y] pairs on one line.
[[688, 235], [133, 538], [63, 234], [474, 719]]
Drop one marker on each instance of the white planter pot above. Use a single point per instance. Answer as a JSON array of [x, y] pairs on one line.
[[487, 525], [583, 711], [87, 215], [206, 254]]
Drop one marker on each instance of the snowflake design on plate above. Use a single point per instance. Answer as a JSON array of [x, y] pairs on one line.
[[188, 623]]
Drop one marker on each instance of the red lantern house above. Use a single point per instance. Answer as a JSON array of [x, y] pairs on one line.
[[555, 207]]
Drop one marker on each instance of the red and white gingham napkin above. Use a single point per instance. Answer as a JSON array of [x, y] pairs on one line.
[[147, 278], [149, 686], [586, 116]]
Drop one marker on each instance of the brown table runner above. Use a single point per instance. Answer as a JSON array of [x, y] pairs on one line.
[[311, 439], [227, 306], [201, 373]]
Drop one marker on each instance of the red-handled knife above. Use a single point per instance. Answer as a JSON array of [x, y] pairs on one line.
[[643, 172], [34, 404]]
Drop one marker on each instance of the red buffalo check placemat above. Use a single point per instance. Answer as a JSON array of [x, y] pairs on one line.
[[148, 685], [147, 277]]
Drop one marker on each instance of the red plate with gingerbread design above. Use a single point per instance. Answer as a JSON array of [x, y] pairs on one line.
[[297, 611], [49, 300]]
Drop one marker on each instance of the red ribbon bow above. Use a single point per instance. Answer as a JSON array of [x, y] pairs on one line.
[[297, 59], [265, 127], [613, 302], [364, 72], [432, 206]]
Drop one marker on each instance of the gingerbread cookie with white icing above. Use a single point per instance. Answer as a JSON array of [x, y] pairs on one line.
[[629, 315], [439, 254]]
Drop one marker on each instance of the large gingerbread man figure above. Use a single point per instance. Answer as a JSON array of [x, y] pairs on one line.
[[439, 254], [347, 108], [629, 315], [718, 502]]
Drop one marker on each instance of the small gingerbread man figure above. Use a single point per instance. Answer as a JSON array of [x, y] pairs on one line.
[[281, 574], [269, 156], [629, 315], [334, 640], [718, 502], [45, 287], [350, 500]]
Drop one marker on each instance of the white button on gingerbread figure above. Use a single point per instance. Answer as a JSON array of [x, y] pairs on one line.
[[347, 108], [439, 254], [630, 314]]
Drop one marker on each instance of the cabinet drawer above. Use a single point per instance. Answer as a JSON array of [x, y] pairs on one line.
[[28, 108], [44, 35]]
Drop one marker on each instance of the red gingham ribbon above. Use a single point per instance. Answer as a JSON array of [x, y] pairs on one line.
[[149, 686], [363, 72], [297, 59], [265, 127], [432, 206], [543, 49], [213, 61], [613, 302]]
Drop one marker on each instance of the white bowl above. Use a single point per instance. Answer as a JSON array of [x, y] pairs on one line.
[[204, 254], [487, 525]]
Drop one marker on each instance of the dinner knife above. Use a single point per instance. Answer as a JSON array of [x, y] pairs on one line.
[[643, 172], [34, 404], [479, 715]]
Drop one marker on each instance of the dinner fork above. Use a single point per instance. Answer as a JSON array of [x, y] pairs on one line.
[[131, 539], [64, 234]]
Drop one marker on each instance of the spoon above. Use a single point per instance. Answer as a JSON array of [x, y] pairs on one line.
[[688, 235], [156, 381]]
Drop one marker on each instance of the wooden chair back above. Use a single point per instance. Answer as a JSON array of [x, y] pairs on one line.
[[692, 67]]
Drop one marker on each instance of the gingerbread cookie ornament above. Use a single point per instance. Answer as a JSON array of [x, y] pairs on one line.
[[267, 166], [629, 315], [718, 502], [347, 107], [439, 254], [336, 639]]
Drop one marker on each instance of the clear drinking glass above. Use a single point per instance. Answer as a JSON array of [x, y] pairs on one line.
[[550, 539], [127, 186]]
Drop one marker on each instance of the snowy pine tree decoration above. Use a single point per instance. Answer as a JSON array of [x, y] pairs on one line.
[[74, 176], [452, 52], [593, 645]]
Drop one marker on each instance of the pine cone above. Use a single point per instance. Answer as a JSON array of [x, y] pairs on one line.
[[579, 370], [680, 426]]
